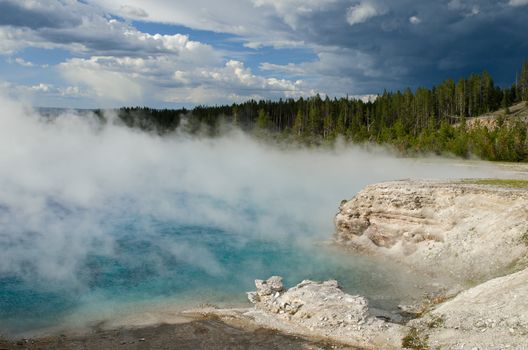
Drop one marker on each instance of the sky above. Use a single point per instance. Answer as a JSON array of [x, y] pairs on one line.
[[165, 53]]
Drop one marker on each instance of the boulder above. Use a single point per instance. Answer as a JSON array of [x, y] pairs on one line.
[[270, 286]]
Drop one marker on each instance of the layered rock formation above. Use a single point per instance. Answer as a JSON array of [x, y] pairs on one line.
[[467, 231]]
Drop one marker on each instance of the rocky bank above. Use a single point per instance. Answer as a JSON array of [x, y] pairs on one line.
[[466, 231], [492, 315], [317, 311], [474, 232]]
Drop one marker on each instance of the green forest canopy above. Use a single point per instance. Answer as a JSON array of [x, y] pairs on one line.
[[424, 121]]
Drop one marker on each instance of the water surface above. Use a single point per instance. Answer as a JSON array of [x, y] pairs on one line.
[[162, 261]]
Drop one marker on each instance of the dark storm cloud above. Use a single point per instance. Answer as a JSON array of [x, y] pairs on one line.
[[37, 15], [414, 43]]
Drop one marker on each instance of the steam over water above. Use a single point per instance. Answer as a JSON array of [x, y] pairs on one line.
[[97, 219]]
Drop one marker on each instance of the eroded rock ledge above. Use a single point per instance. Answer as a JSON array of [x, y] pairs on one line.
[[492, 315], [468, 231], [319, 310]]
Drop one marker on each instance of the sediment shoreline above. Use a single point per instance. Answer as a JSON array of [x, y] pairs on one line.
[[201, 333]]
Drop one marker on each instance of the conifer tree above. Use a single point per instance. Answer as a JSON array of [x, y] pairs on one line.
[[298, 124], [523, 82]]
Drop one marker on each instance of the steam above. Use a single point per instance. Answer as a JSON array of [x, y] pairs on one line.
[[66, 183]]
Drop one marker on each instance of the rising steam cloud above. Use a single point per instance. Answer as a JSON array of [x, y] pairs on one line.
[[65, 182]]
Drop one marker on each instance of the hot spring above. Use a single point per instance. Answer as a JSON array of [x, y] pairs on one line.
[[101, 220]]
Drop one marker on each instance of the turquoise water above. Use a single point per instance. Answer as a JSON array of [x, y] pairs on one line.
[[155, 259]]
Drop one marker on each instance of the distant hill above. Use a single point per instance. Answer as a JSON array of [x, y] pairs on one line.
[[517, 112]]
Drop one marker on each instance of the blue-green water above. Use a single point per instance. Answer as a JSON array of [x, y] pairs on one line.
[[153, 259]]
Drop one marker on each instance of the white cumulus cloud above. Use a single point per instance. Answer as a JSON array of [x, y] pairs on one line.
[[415, 20], [518, 2], [132, 11], [105, 83], [362, 12]]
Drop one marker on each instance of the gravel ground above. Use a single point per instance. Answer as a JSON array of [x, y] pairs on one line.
[[200, 334]]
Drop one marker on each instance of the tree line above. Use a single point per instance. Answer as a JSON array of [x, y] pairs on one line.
[[427, 120]]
